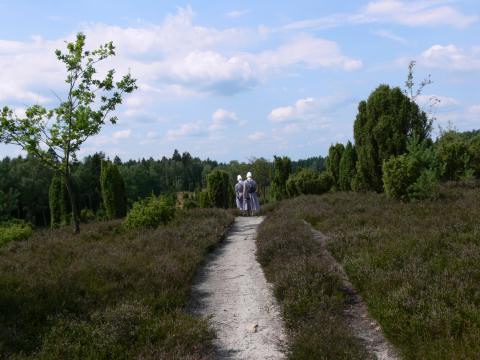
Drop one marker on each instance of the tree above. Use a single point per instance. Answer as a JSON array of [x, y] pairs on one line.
[[382, 128], [8, 203], [347, 168], [282, 168], [113, 191], [307, 181], [219, 189], [55, 136], [333, 162], [55, 200]]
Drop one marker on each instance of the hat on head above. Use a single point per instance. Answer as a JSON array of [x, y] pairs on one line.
[[249, 175], [239, 178]]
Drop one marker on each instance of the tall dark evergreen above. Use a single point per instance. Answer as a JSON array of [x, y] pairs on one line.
[[219, 189], [282, 168], [113, 191], [335, 153], [347, 168], [55, 201], [383, 126]]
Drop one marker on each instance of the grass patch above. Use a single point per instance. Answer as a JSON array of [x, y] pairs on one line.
[[415, 264], [107, 293], [309, 294]]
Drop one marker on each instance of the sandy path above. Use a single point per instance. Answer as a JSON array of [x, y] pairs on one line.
[[233, 292]]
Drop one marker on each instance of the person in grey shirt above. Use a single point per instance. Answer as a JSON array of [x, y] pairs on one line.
[[239, 192], [250, 198]]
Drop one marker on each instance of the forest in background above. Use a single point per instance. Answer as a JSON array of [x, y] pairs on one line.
[[25, 182]]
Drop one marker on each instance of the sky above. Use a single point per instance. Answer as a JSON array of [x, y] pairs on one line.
[[236, 80]]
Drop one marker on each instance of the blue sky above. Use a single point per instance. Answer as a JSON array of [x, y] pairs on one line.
[[235, 80]]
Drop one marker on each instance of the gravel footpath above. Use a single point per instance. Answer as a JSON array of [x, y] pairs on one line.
[[232, 292]]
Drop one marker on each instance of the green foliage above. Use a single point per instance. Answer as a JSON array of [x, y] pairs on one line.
[[113, 191], [413, 175], [8, 203], [335, 153], [459, 155], [282, 168], [347, 169], [87, 215], [86, 108], [309, 182], [382, 128], [150, 213], [55, 202], [203, 199], [14, 230], [219, 189]]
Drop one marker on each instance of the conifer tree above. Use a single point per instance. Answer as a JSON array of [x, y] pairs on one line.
[[113, 191]]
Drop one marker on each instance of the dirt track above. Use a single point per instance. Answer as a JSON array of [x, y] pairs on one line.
[[233, 292]]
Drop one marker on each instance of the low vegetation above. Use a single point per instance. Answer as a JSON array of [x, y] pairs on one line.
[[150, 213], [14, 230], [309, 293], [107, 293], [415, 264]]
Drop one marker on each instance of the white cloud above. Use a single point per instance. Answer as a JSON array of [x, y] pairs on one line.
[[307, 50], [301, 109], [185, 130], [237, 13], [391, 36], [450, 57], [257, 136], [416, 13], [409, 13], [122, 134], [175, 58], [221, 118]]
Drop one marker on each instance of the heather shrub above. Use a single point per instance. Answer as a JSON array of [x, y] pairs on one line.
[[150, 212], [14, 230]]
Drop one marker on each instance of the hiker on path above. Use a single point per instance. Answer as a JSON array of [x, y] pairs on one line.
[[250, 198], [239, 192]]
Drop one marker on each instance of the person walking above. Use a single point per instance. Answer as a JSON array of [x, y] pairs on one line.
[[239, 192], [250, 198]]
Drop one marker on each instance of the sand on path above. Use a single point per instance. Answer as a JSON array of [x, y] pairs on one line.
[[231, 290]]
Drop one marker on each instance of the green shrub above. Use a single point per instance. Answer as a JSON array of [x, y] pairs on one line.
[[282, 167], [87, 215], [399, 172], [150, 212], [219, 189], [413, 175], [14, 230], [307, 181], [203, 199]]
